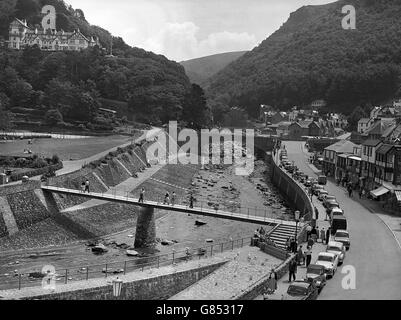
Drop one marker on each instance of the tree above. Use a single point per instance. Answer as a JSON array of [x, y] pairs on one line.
[[53, 117], [195, 111], [5, 117]]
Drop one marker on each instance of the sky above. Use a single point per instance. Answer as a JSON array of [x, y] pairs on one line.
[[187, 29]]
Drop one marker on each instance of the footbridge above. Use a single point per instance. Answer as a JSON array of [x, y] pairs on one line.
[[146, 230]]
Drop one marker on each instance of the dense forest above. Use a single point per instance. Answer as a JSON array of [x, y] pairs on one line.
[[312, 57], [64, 88]]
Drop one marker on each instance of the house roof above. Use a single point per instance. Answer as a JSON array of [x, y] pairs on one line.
[[363, 120], [342, 146], [384, 149], [379, 127], [371, 143], [283, 125]]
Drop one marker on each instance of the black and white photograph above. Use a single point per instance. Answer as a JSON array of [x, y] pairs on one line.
[[201, 154]]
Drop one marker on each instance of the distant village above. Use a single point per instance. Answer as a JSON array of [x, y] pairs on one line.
[[369, 159]]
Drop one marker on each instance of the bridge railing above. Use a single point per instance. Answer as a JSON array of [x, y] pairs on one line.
[[277, 214], [91, 271]]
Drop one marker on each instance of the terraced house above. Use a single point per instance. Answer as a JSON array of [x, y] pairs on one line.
[[21, 36]]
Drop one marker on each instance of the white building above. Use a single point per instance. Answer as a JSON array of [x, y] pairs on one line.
[[21, 36]]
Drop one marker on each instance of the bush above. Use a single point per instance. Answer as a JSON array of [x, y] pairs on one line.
[[55, 159], [39, 163]]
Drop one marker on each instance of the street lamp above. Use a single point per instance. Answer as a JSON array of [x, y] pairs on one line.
[[117, 286], [297, 214]]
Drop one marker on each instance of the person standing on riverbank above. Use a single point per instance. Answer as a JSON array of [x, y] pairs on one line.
[[141, 195]]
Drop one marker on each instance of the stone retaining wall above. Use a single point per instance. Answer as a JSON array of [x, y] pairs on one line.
[[291, 190], [154, 288]]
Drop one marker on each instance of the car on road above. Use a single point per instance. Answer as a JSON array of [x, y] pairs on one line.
[[327, 198], [322, 194], [322, 180], [319, 191], [317, 274], [337, 248], [338, 223], [330, 205], [329, 261], [301, 290], [316, 188], [307, 183], [336, 212], [342, 235]]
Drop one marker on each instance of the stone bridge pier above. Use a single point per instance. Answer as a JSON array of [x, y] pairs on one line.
[[145, 236]]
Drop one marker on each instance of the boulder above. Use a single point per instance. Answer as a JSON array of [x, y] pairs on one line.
[[132, 253], [200, 223], [99, 249]]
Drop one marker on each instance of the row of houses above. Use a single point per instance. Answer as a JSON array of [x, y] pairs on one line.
[[373, 165]]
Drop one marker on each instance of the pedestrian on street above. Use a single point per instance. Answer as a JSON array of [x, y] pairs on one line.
[[87, 185], [316, 214], [292, 270], [311, 242], [83, 187], [363, 192], [173, 198], [141, 195], [323, 235], [308, 256], [328, 235], [294, 245], [308, 231], [350, 191], [288, 244], [360, 193], [300, 256], [317, 234]]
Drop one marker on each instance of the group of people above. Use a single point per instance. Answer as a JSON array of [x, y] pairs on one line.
[[85, 186], [291, 244], [314, 234], [262, 236], [167, 199]]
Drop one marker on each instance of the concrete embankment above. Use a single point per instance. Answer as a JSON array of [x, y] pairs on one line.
[[293, 192]]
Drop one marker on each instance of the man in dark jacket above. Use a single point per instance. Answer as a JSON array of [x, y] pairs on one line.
[[292, 270], [328, 235]]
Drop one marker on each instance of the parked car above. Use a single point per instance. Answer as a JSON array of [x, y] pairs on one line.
[[342, 235], [308, 183], [327, 199], [316, 188], [329, 261], [322, 180], [330, 205], [338, 223], [337, 248], [319, 191], [322, 193], [301, 290], [316, 273], [336, 212]]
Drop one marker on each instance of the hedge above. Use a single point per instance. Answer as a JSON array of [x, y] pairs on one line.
[[36, 172]]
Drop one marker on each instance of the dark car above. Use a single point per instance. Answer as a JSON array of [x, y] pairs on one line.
[[330, 205], [301, 290], [316, 273]]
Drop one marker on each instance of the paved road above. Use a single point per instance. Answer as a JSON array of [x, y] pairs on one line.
[[374, 253]]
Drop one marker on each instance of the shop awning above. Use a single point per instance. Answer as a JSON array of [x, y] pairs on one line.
[[379, 192], [398, 195]]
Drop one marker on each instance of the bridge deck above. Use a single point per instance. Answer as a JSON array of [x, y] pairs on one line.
[[261, 220]]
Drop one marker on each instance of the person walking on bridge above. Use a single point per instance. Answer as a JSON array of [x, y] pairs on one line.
[[87, 185], [141, 195], [166, 198], [191, 201], [173, 196]]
